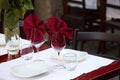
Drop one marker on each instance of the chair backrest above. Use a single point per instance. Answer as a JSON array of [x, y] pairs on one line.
[[71, 14], [67, 8], [95, 36], [111, 14], [105, 72], [112, 8], [80, 16]]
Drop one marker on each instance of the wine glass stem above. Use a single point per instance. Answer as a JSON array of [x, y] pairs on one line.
[[37, 49], [58, 53]]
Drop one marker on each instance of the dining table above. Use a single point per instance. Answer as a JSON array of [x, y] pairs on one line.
[[91, 67]]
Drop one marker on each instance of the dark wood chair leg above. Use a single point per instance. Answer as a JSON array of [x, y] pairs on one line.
[[102, 47], [119, 53], [82, 45]]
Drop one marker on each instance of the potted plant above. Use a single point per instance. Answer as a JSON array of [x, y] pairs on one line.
[[13, 11]]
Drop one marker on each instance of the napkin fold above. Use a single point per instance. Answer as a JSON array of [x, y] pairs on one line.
[[55, 24], [33, 23]]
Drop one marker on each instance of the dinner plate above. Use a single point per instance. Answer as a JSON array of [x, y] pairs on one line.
[[81, 55], [30, 69]]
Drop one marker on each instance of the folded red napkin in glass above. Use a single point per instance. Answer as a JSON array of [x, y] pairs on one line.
[[32, 22], [55, 24]]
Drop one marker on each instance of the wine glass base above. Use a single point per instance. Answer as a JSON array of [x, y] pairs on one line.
[[58, 66]]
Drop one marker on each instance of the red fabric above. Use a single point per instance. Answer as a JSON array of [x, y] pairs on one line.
[[55, 24], [58, 40], [32, 22]]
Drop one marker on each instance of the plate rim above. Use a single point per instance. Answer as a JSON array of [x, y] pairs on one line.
[[31, 75]]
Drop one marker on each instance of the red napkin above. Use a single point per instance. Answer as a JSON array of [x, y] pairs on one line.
[[58, 40], [55, 24], [32, 22]]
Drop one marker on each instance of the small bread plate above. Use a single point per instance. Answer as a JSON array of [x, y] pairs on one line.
[[30, 69]]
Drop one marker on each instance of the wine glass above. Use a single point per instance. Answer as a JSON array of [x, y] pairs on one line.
[[36, 40], [58, 41], [26, 51], [70, 61]]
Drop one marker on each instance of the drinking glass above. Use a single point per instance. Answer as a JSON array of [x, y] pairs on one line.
[[70, 61], [36, 40], [12, 42], [58, 41], [26, 51]]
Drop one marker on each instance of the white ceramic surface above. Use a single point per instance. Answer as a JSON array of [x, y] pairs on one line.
[[81, 55], [30, 69]]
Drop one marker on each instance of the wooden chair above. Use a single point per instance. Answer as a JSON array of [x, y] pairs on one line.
[[80, 18], [95, 36], [112, 23]]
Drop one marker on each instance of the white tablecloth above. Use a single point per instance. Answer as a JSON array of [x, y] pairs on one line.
[[89, 64]]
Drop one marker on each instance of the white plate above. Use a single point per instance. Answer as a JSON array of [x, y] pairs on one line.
[[81, 55], [30, 69]]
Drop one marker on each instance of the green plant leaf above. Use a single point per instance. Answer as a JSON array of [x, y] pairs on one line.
[[21, 12], [11, 19], [28, 4], [16, 31], [8, 33], [4, 4], [15, 10]]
